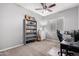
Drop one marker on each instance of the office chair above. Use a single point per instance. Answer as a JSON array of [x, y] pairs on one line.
[[60, 39], [59, 36]]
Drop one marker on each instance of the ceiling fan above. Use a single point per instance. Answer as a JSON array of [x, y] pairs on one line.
[[45, 7]]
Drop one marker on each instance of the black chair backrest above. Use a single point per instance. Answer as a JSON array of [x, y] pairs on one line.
[[59, 35]]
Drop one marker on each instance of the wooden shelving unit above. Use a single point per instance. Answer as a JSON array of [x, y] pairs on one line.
[[29, 30]]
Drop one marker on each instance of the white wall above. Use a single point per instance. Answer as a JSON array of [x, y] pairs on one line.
[[70, 17], [11, 24], [78, 17]]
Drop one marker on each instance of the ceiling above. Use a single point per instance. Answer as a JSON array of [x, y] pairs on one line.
[[57, 8]]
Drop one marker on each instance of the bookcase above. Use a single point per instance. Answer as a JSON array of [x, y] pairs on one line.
[[29, 30]]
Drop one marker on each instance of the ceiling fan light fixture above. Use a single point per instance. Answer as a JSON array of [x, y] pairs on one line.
[[46, 8]]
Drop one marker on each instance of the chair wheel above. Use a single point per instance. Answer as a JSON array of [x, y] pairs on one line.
[[59, 53]]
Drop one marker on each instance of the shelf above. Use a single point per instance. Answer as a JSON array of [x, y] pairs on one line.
[[32, 35], [30, 39], [30, 30], [31, 25], [31, 20]]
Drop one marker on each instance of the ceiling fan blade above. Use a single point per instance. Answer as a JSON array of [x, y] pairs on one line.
[[52, 5], [49, 10], [38, 8], [44, 5]]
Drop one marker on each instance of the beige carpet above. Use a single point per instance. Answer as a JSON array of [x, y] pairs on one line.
[[38, 48]]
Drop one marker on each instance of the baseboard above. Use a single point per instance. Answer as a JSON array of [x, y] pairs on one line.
[[10, 47]]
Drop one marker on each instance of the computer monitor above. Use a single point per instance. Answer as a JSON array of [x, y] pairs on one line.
[[76, 36]]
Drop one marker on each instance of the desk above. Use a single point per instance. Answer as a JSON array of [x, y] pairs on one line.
[[69, 46]]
